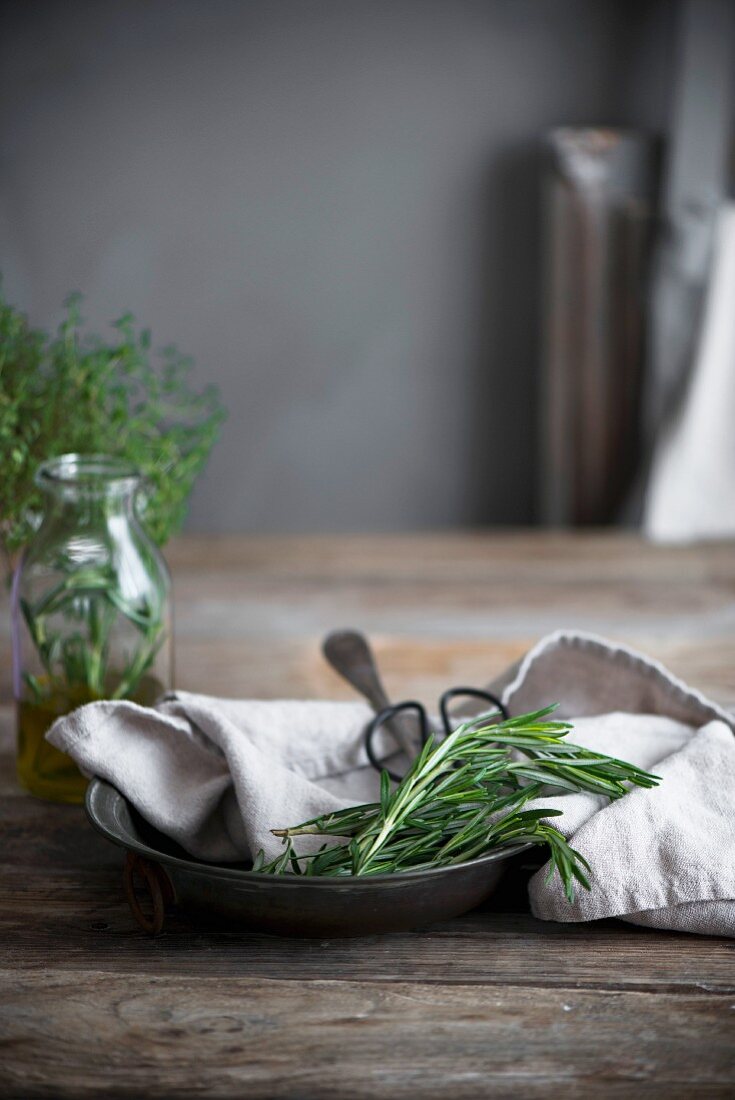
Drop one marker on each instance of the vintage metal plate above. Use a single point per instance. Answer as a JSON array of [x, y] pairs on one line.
[[289, 905]]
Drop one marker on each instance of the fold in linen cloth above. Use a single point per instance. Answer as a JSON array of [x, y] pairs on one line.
[[216, 775]]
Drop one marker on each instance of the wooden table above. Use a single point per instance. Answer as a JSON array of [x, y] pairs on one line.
[[495, 1003]]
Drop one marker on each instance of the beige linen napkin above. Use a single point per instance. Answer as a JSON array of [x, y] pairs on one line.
[[663, 857], [217, 774]]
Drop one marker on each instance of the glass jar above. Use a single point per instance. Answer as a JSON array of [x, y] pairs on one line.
[[90, 612]]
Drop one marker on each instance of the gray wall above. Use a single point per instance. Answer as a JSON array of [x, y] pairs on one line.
[[334, 206]]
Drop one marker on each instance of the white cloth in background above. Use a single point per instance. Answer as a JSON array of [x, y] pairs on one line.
[[217, 774], [691, 493]]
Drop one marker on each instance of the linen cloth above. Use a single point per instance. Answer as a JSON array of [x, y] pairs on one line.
[[216, 775]]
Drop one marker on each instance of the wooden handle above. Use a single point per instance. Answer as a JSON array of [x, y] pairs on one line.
[[159, 890]]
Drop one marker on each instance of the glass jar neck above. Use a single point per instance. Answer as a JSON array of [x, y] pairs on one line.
[[91, 487]]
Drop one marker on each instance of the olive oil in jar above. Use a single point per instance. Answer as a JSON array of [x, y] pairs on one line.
[[44, 770]]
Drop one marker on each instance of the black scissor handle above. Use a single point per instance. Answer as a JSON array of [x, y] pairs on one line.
[[474, 693], [385, 715]]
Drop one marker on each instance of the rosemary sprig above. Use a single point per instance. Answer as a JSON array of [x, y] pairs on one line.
[[462, 798], [89, 600]]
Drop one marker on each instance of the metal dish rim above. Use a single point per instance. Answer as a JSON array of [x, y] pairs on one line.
[[98, 788]]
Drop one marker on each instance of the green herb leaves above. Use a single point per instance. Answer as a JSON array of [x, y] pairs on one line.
[[463, 798], [76, 393]]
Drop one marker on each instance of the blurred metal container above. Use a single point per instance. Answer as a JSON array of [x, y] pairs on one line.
[[599, 199]]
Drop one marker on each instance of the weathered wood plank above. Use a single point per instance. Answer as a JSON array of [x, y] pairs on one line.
[[78, 920], [65, 1034], [413, 667], [453, 556], [250, 611]]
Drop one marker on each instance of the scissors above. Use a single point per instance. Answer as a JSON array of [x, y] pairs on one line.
[[387, 713]]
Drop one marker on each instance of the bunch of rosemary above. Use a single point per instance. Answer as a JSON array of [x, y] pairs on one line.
[[76, 662], [463, 798]]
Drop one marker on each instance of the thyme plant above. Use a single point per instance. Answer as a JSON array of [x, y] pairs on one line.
[[78, 392], [463, 798]]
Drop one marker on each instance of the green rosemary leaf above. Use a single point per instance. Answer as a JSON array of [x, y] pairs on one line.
[[527, 720], [284, 860], [542, 776], [384, 792], [294, 859], [34, 685]]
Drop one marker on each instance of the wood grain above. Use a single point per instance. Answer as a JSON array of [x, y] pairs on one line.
[[492, 1004], [263, 1038]]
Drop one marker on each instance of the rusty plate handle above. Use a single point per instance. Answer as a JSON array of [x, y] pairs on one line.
[[158, 886]]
